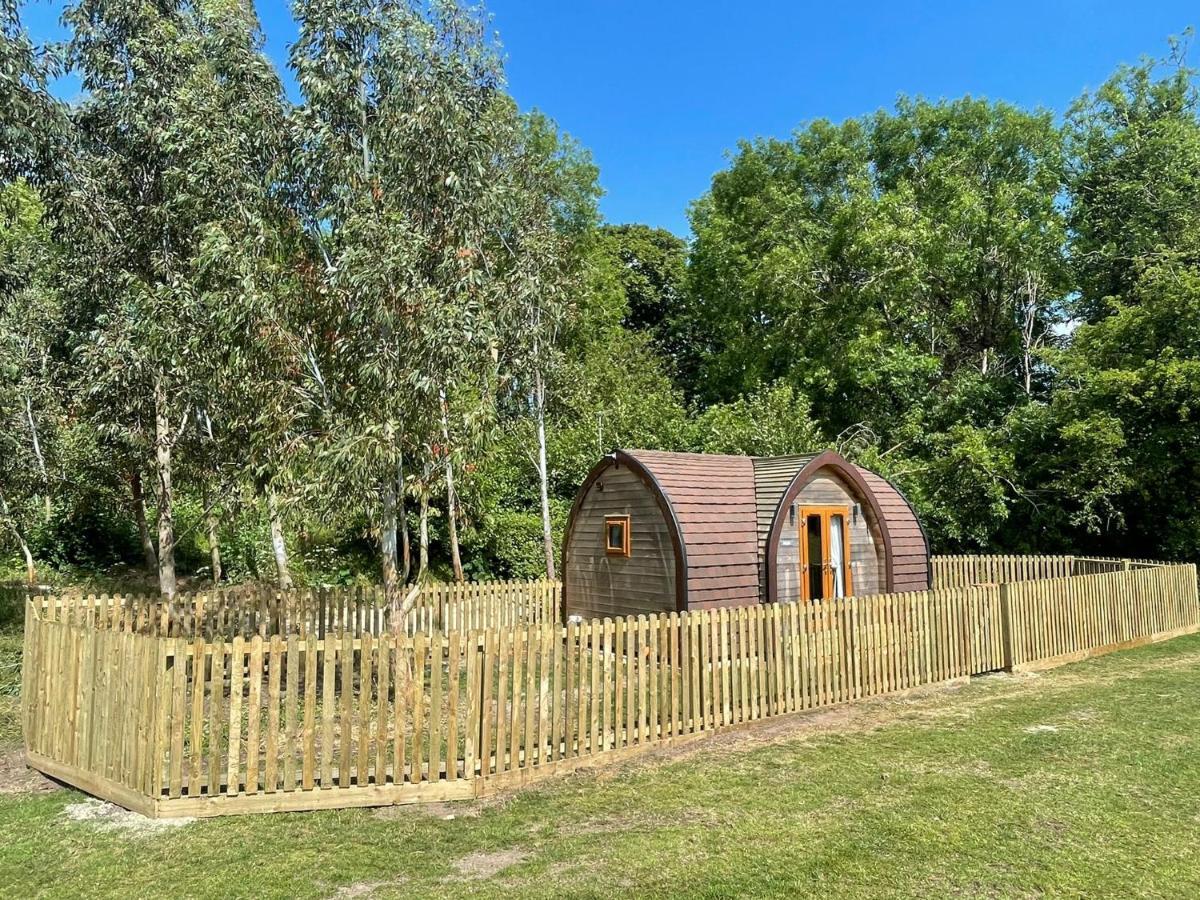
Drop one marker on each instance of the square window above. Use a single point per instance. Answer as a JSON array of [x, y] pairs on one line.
[[616, 535]]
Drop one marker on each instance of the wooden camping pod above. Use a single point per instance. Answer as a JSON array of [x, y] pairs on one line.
[[653, 531]]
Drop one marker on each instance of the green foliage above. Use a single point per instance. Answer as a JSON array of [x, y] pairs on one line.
[[222, 310], [1134, 177], [774, 422], [865, 263], [510, 545]]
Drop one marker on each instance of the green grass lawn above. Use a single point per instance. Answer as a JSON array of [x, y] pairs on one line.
[[1084, 781]]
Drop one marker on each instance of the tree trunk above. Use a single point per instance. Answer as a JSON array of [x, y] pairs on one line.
[[214, 544], [37, 454], [451, 500], [139, 515], [30, 566], [405, 539], [452, 525], [278, 547], [423, 559], [1028, 326], [387, 538], [166, 520], [543, 473]]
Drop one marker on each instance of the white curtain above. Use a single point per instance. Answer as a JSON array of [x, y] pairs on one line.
[[837, 525]]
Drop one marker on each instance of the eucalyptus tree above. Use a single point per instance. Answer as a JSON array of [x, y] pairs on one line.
[[31, 395], [171, 145], [32, 125], [548, 229], [405, 134], [31, 136]]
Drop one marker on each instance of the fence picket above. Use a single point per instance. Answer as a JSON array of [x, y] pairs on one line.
[[135, 692]]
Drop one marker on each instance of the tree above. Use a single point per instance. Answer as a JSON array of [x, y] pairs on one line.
[[1122, 419], [31, 134], [31, 395], [651, 266], [550, 201], [774, 422], [34, 126], [417, 202], [172, 143], [1134, 178], [866, 262]]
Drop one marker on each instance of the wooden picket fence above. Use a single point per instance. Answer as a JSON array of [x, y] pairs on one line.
[[964, 571], [247, 611], [1061, 620], [207, 726]]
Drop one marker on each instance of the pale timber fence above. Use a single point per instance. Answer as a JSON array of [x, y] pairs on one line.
[[964, 571], [247, 611], [192, 725]]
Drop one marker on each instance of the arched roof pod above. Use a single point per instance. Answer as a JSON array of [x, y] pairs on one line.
[[807, 468], [652, 531]]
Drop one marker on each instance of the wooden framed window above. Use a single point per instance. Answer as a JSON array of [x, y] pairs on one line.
[[616, 535], [824, 552]]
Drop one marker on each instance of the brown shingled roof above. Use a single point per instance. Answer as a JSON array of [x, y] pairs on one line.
[[714, 503], [908, 546]]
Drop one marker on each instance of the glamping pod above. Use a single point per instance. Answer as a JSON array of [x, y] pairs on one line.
[[652, 531]]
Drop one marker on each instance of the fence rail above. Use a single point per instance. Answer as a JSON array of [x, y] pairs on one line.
[[319, 611], [964, 571], [206, 726]]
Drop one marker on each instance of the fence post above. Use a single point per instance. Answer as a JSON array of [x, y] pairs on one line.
[[1006, 626]]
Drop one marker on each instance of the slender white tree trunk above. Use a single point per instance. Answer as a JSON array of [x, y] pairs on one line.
[[452, 524], [387, 538], [37, 454], [1028, 326], [451, 500], [162, 462], [214, 544], [543, 473], [30, 566], [139, 516], [278, 546]]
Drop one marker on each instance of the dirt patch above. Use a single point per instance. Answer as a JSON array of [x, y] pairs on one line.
[[1041, 729], [365, 888], [485, 864], [17, 778], [109, 817]]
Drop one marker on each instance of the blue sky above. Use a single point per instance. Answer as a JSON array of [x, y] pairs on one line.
[[660, 91]]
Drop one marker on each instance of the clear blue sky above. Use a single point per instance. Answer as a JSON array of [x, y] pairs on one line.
[[659, 90]]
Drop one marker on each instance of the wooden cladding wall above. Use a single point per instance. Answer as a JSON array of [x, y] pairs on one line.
[[866, 542], [602, 584], [174, 726]]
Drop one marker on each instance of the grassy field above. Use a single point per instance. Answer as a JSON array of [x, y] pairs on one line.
[[1084, 781]]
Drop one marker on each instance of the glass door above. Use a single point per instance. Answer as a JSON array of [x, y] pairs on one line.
[[824, 552]]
